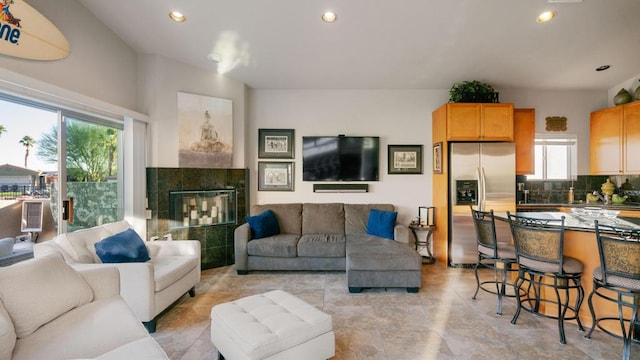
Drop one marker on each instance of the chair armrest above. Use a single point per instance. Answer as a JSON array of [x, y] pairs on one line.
[[401, 234], [173, 248], [104, 280], [242, 235]]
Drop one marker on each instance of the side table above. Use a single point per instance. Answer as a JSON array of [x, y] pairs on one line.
[[415, 227]]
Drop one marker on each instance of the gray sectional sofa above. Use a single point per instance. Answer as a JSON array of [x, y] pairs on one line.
[[331, 236]]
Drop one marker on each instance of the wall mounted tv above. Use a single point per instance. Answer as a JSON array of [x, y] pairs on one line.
[[340, 158]]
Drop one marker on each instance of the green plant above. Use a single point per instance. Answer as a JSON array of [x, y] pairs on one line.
[[472, 91]]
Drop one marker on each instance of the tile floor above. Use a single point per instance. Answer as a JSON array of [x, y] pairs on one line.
[[440, 322]]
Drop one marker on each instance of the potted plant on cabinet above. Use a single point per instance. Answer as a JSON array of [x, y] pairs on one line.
[[473, 92]]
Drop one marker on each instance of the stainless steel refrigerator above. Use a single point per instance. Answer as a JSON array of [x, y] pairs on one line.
[[482, 176]]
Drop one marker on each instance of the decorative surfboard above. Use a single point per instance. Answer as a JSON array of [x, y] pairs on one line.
[[25, 33]]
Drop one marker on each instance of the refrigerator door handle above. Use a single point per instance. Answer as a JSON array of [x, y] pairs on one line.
[[480, 190]]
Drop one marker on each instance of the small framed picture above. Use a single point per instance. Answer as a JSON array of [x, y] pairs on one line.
[[276, 143], [437, 158], [405, 159], [275, 176]]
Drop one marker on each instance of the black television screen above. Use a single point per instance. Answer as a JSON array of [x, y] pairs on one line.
[[340, 158]]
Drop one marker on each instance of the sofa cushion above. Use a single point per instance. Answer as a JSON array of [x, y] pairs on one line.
[[86, 332], [7, 334], [367, 252], [263, 225], [289, 216], [169, 269], [82, 243], [145, 348], [322, 218], [126, 246], [356, 216], [322, 245], [381, 223], [283, 245], [36, 291], [6, 246]]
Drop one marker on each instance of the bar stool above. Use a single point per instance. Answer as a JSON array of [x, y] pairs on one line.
[[539, 247], [499, 257], [618, 280]]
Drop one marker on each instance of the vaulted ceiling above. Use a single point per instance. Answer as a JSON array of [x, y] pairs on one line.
[[382, 44]]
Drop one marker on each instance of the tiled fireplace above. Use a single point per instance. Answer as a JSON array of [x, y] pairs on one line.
[[216, 237]]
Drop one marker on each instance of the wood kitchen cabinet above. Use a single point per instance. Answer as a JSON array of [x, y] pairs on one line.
[[479, 122], [524, 133], [615, 140]]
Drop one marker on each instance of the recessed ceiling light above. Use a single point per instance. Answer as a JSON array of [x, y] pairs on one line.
[[545, 16], [177, 16], [329, 17], [603, 67]]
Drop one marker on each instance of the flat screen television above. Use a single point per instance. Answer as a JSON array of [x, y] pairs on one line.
[[340, 158]]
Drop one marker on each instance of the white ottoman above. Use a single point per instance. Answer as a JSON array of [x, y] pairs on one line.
[[273, 325]]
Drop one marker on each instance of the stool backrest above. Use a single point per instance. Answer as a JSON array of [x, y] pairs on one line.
[[539, 242], [485, 225], [619, 251]]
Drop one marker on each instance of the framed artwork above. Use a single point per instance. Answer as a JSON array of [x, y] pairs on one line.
[[405, 159], [437, 158], [275, 176], [276, 143], [205, 131]]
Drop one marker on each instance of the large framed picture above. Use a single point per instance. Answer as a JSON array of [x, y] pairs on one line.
[[437, 158], [275, 176], [276, 143], [405, 159]]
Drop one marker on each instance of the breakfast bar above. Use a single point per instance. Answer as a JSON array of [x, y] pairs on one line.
[[580, 243]]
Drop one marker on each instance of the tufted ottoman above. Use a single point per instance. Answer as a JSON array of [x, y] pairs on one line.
[[273, 325]]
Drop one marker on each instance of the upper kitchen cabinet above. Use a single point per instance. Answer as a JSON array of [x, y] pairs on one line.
[[524, 124], [479, 122], [615, 140]]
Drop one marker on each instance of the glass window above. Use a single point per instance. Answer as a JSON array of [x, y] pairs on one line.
[[86, 166], [555, 157]]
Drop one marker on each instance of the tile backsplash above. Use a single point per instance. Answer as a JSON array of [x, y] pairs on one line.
[[557, 191]]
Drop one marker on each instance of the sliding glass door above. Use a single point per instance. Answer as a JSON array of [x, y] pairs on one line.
[[92, 171], [58, 155]]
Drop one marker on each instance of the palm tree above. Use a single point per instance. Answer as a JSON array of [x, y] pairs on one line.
[[28, 142], [2, 129]]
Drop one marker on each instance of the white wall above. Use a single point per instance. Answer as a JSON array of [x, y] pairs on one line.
[[100, 65], [575, 105], [160, 81], [398, 117]]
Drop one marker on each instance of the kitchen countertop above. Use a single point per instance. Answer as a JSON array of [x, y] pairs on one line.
[[625, 206], [579, 222]]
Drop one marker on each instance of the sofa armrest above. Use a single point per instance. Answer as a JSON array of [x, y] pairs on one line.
[[104, 280], [401, 234], [241, 237], [137, 285]]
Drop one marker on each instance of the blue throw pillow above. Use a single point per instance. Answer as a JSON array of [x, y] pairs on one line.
[[381, 223], [122, 247], [264, 224]]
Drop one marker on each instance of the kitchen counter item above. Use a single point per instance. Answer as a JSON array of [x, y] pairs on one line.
[[617, 199]]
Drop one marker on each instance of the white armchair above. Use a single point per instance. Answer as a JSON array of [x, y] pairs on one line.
[[149, 287]]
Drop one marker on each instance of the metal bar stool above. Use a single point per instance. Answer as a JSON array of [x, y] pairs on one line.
[[618, 280], [539, 247], [499, 257]]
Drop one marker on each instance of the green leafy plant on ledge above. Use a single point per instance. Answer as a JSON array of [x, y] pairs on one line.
[[473, 92]]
